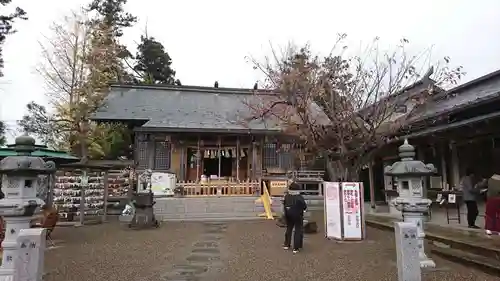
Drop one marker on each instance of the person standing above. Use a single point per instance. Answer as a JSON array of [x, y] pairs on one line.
[[471, 190], [294, 208]]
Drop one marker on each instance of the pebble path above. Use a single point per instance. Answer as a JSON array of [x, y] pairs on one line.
[[204, 258]]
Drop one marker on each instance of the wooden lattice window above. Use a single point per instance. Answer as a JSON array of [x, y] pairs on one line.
[[141, 150], [270, 155], [286, 157], [162, 155], [152, 153]]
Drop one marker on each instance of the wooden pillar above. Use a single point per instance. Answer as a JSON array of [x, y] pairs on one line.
[[105, 196], [133, 182], [455, 166], [83, 188], [249, 163], [151, 153], [238, 159], [198, 156], [254, 160], [258, 160], [219, 153], [444, 173], [372, 185], [183, 160]]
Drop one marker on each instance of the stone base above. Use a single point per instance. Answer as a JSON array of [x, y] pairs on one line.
[[6, 275], [427, 263]]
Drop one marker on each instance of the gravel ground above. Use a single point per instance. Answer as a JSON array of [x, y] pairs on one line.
[[231, 251], [113, 252], [258, 256]]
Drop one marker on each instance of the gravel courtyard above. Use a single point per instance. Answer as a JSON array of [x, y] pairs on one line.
[[226, 251]]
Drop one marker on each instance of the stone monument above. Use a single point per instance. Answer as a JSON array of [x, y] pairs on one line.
[[19, 183], [410, 175], [407, 252], [31, 250]]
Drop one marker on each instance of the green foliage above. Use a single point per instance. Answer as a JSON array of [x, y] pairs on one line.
[[3, 128], [38, 122], [153, 64], [110, 141], [6, 26], [111, 13]]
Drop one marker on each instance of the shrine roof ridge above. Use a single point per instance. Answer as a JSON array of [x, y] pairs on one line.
[[190, 88], [184, 108]]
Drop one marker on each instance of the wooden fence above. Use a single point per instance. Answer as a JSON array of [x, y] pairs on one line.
[[248, 188]]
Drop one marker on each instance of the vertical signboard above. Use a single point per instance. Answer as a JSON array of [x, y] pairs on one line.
[[352, 208], [333, 219], [344, 213]]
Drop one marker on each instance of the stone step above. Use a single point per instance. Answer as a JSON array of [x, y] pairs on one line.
[[483, 263], [203, 208], [213, 219], [204, 216]]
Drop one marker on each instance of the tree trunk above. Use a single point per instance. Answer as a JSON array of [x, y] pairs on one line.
[[342, 171], [83, 135]]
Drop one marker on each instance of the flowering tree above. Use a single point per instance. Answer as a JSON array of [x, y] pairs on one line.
[[361, 98]]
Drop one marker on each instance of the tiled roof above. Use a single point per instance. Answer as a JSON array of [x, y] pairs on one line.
[[183, 108], [482, 89]]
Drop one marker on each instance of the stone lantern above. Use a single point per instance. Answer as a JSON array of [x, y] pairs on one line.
[[19, 176], [145, 181], [410, 175]]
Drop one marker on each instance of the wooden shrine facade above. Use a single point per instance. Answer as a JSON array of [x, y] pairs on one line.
[[195, 156], [200, 133]]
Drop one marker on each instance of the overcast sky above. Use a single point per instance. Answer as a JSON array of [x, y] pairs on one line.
[[208, 40]]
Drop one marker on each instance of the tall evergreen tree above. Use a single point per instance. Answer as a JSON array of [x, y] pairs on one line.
[[6, 26], [153, 63], [112, 14]]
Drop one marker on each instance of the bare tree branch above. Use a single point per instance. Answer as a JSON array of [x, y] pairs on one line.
[[361, 97]]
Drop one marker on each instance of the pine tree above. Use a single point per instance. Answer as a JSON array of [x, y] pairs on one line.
[[153, 63], [6, 26]]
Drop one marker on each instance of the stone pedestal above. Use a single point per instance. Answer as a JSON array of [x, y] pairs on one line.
[[29, 263], [407, 252], [413, 210], [13, 226]]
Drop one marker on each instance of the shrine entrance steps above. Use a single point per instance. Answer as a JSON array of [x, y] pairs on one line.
[[207, 208], [210, 208]]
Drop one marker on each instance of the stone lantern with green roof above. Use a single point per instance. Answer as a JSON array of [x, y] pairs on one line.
[[410, 175], [19, 174]]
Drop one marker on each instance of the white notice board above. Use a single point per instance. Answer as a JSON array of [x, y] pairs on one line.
[[352, 210], [344, 212], [333, 219]]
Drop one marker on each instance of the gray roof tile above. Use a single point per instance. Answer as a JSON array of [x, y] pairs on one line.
[[183, 108], [464, 96]]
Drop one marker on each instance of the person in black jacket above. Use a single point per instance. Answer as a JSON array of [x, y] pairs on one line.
[[294, 208]]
